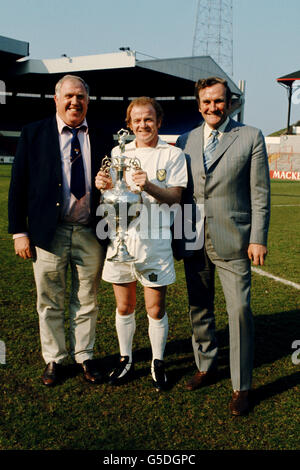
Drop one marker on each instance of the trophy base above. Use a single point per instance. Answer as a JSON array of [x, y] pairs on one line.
[[122, 259], [122, 255]]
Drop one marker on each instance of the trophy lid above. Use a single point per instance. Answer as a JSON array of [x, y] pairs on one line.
[[123, 134]]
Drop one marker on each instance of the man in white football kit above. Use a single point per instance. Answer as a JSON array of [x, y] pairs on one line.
[[161, 179]]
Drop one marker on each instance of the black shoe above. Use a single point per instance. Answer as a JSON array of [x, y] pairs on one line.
[[91, 373], [122, 373], [50, 376], [159, 377]]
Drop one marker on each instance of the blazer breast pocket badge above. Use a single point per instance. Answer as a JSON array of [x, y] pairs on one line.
[[161, 174]]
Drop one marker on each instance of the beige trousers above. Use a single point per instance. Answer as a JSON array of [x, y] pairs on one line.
[[73, 246]]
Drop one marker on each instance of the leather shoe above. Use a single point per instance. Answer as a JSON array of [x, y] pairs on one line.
[[91, 374], [159, 378], [200, 379], [50, 376], [239, 404], [122, 373]]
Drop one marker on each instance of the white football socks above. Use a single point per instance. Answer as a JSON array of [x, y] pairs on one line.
[[158, 333], [157, 330], [125, 326]]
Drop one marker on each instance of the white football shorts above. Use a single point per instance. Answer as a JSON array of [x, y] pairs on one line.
[[154, 268]]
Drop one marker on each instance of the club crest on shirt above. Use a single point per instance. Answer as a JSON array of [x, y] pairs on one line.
[[161, 174], [152, 277]]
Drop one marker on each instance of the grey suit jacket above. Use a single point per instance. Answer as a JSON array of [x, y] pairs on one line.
[[236, 189]]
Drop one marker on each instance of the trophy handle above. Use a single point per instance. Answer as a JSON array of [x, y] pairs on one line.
[[134, 163], [106, 164]]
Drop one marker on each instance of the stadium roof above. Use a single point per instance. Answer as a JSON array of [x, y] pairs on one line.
[[288, 81], [117, 74], [114, 79], [12, 49], [290, 78]]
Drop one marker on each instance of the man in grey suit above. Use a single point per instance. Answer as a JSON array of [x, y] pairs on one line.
[[231, 179]]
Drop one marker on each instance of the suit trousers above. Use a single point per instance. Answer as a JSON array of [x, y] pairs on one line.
[[73, 246], [235, 278]]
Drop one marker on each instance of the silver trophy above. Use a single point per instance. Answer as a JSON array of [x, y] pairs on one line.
[[123, 204]]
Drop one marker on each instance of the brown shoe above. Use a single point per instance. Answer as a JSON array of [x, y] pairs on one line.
[[200, 379], [239, 404], [90, 372], [50, 376]]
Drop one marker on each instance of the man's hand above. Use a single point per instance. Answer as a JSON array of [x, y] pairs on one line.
[[22, 247], [257, 253], [103, 181], [162, 195], [140, 178]]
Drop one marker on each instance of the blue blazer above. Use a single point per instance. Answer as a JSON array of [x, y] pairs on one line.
[[35, 194]]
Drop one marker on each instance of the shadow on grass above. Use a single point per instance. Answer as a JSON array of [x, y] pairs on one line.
[[275, 388], [274, 335]]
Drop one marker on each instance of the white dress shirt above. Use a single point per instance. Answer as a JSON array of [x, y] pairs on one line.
[[208, 129]]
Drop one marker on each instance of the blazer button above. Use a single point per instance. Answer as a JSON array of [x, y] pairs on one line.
[[57, 204]]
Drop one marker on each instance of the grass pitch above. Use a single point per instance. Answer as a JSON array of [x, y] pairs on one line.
[[76, 415]]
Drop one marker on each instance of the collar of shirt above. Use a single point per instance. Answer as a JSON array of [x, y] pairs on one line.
[[61, 125], [207, 130], [160, 143]]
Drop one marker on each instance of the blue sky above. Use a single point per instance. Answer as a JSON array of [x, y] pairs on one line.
[[265, 39]]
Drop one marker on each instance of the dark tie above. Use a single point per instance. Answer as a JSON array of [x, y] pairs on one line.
[[210, 148], [77, 185]]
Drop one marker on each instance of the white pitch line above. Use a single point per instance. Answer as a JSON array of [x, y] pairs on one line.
[[279, 279], [285, 205]]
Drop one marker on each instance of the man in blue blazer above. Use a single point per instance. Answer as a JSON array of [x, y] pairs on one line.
[[229, 167], [52, 206]]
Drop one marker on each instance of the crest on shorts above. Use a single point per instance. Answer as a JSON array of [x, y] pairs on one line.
[[161, 174], [152, 277]]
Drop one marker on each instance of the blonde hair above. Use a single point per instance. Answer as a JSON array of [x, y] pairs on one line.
[[143, 101]]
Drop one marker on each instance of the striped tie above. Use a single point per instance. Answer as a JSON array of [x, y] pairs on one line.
[[77, 169], [210, 148]]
